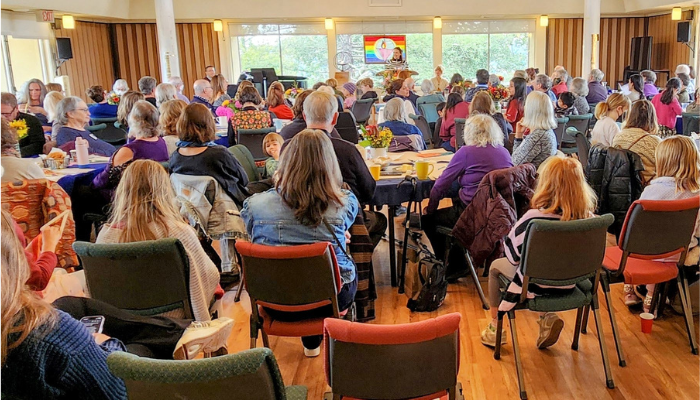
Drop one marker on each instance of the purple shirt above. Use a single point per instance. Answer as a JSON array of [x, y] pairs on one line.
[[650, 89], [596, 92], [468, 167]]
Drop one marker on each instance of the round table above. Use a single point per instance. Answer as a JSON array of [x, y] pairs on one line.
[[391, 192], [69, 177]]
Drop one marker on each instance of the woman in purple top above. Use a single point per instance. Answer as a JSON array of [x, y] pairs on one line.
[[482, 153], [147, 144], [650, 88]]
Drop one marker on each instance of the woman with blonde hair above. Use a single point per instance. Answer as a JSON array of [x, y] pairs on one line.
[[126, 103], [307, 204], [677, 177], [561, 194], [144, 209], [50, 104], [170, 112], [482, 153], [538, 119], [275, 102], [640, 135], [219, 85], [607, 113]]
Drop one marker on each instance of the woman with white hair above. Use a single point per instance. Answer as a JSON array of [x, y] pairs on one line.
[[430, 95], [179, 86], [483, 152], [597, 92], [395, 119], [120, 87], [579, 87], [685, 69], [539, 119], [73, 114], [165, 92]]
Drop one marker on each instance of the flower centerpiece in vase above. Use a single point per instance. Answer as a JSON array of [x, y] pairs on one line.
[[498, 93], [113, 99], [292, 93], [228, 108], [378, 140]]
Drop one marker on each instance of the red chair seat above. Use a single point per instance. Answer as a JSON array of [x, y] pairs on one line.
[[306, 327], [639, 271]]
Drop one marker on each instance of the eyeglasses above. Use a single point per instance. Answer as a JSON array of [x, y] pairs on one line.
[[83, 109], [7, 114]]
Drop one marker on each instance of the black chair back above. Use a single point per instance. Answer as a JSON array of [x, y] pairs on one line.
[[583, 147], [347, 127], [559, 130], [691, 123], [253, 140], [424, 127], [362, 110], [146, 278], [459, 131]]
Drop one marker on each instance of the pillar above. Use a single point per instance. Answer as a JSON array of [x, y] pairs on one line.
[[332, 49], [168, 53], [437, 45], [591, 27]]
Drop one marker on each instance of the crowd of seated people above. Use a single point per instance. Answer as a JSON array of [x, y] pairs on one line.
[[320, 184]]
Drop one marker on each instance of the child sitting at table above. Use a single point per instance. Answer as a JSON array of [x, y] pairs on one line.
[[565, 105], [272, 143]]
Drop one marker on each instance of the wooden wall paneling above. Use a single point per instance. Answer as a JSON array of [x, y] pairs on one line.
[[564, 41], [615, 40], [666, 52], [199, 47], [91, 63]]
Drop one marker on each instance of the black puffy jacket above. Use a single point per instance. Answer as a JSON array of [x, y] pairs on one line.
[[614, 176]]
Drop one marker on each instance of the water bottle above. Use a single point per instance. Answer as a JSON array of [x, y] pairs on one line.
[[81, 150]]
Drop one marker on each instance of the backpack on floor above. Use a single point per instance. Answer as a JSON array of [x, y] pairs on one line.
[[431, 274]]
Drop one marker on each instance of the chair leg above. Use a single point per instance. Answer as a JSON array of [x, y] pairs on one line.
[[584, 321], [516, 352], [577, 328], [499, 335], [664, 296], [266, 341], [613, 321], [687, 313], [237, 298], [601, 341], [253, 331], [484, 302], [655, 300]]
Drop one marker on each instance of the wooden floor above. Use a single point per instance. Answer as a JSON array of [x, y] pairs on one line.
[[659, 365]]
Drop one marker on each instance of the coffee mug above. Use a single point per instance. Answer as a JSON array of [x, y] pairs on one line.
[[221, 121], [376, 171], [423, 169]]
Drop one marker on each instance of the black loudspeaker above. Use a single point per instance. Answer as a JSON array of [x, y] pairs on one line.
[[64, 49], [683, 35], [640, 56]]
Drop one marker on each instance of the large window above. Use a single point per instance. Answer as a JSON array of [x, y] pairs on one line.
[[300, 50], [498, 46], [25, 58], [419, 47]]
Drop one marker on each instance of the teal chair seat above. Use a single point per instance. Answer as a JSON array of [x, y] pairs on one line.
[[577, 297]]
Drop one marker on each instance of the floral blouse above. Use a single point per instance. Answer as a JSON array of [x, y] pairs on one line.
[[250, 118]]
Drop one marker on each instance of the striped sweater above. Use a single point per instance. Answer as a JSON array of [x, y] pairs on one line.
[[61, 362], [513, 249]]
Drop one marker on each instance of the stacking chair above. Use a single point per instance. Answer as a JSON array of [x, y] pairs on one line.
[[404, 361], [347, 127], [653, 229], [288, 279], [459, 132], [253, 140], [248, 375], [123, 275], [424, 127], [109, 133], [583, 147], [428, 110], [245, 158], [450, 241], [559, 130], [691, 123], [560, 253], [577, 123], [362, 109], [580, 122]]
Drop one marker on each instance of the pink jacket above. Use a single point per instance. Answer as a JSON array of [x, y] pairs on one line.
[[666, 113]]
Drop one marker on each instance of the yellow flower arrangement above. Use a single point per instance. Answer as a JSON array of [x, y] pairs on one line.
[[376, 137], [20, 126]]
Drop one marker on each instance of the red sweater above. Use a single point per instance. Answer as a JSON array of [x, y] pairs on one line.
[[40, 267], [282, 111]]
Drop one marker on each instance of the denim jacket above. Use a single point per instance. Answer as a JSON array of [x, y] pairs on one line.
[[270, 221]]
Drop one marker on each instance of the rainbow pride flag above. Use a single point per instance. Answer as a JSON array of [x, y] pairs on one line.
[[379, 48]]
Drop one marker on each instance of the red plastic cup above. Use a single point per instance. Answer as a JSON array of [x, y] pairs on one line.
[[647, 322]]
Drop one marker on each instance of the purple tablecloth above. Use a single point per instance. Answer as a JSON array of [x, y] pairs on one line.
[[68, 182]]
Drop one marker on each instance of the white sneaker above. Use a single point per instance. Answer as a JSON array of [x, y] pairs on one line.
[[312, 352], [207, 336]]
